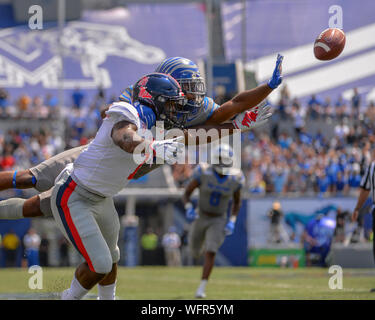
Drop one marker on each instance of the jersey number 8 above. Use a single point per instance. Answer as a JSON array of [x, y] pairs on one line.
[[215, 198]]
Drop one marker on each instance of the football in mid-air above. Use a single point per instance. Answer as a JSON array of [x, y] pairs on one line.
[[329, 44]]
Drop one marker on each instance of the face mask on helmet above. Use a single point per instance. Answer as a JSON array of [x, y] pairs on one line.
[[223, 161], [173, 111], [195, 90]]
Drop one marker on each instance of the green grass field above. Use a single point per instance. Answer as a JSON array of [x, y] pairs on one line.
[[181, 283]]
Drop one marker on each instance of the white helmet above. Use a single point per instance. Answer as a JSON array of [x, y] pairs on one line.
[[222, 160]]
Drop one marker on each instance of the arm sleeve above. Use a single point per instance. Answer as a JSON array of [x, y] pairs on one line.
[[210, 106], [365, 181], [122, 111], [126, 95], [146, 114]]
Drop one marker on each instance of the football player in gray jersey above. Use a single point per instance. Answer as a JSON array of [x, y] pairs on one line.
[[218, 184]]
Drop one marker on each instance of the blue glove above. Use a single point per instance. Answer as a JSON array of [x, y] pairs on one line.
[[190, 212], [229, 228], [276, 79]]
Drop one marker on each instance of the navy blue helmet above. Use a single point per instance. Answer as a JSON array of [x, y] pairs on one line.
[[187, 74], [163, 94]]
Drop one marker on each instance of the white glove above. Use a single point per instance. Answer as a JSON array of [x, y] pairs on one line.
[[254, 118], [168, 149]]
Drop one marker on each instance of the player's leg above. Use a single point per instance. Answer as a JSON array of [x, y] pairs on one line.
[[209, 261], [196, 237], [84, 279], [109, 224], [215, 236], [21, 179], [107, 286], [74, 214]]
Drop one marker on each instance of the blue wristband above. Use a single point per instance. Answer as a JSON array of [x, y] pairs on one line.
[[14, 179], [33, 181]]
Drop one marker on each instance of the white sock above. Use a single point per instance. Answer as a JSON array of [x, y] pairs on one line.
[[202, 286], [75, 292], [107, 292]]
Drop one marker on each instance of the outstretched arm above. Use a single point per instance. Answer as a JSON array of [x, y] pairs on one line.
[[124, 135], [248, 99], [244, 121], [243, 101]]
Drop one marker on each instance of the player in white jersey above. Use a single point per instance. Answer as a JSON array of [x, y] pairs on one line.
[[81, 199], [218, 184]]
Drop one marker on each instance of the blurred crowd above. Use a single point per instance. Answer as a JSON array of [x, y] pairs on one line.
[[28, 107], [306, 163], [21, 149]]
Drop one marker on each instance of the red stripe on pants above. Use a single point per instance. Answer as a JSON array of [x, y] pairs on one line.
[[64, 205]]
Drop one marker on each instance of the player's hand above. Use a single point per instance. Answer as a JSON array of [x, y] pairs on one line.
[[190, 212], [168, 149], [253, 118], [355, 215], [229, 228], [276, 79]]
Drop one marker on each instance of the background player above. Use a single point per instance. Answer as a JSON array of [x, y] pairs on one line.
[[216, 189]]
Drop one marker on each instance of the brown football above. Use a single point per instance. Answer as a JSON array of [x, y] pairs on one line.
[[329, 44]]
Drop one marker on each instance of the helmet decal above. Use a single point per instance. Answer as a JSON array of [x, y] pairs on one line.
[[143, 81], [143, 93]]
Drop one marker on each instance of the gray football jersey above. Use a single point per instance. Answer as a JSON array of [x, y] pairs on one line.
[[215, 192], [202, 114]]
